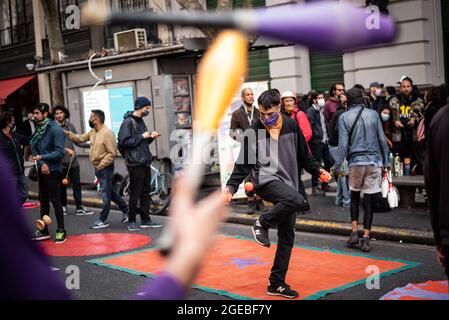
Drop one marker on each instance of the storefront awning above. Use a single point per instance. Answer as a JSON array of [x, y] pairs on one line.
[[8, 86]]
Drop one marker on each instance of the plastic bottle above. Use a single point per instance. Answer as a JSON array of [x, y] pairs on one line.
[[391, 160], [401, 169], [407, 166], [396, 165]]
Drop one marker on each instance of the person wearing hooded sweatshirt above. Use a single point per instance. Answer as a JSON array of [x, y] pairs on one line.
[[273, 153], [407, 109], [134, 141], [47, 147], [362, 142]]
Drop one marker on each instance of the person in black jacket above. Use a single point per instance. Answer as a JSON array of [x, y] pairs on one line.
[[319, 143], [436, 172], [11, 147], [273, 152], [133, 142]]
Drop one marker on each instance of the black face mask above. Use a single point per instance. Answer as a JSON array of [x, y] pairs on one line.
[[145, 113], [91, 124]]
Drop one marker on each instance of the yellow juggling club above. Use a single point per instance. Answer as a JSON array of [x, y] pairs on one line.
[[220, 74]]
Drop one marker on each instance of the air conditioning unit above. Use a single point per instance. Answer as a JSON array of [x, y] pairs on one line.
[[130, 39]]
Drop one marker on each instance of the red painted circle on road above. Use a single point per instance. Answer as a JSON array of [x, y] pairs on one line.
[[31, 205], [95, 244]]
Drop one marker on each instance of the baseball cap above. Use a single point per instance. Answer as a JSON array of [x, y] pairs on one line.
[[405, 78], [376, 84]]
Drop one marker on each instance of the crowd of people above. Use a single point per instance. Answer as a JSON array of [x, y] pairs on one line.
[[350, 135], [50, 146]]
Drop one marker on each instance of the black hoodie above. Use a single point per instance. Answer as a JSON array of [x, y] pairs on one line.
[[131, 144]]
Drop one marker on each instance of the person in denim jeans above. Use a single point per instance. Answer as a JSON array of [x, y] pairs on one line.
[[103, 151], [109, 193]]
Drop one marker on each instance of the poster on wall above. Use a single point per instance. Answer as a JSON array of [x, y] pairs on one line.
[[228, 148], [114, 102]]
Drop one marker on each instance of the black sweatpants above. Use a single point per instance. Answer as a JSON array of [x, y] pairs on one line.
[[139, 190], [49, 191], [74, 178], [287, 201]]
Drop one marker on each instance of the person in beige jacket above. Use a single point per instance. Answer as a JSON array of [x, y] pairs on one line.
[[103, 150]]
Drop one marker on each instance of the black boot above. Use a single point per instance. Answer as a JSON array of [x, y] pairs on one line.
[[353, 239], [365, 244], [259, 206], [251, 207]]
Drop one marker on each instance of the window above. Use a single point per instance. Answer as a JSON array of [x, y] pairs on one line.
[[16, 22], [131, 6]]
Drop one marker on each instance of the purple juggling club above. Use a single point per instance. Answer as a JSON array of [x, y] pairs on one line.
[[326, 26]]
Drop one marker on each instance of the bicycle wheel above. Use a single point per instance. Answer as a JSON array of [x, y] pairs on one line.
[[160, 196]]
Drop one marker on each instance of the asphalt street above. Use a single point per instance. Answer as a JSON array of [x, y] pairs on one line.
[[104, 283]]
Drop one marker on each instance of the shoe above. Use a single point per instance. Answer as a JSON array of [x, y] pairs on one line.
[[83, 212], [364, 243], [99, 224], [149, 224], [132, 226], [353, 239], [260, 207], [283, 290], [64, 210], [61, 237], [261, 234], [40, 235], [251, 207], [317, 192], [328, 188], [346, 205], [125, 219], [301, 212]]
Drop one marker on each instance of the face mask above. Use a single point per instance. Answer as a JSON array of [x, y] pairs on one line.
[[91, 124], [289, 109], [378, 92], [321, 103], [385, 117], [270, 121], [145, 113]]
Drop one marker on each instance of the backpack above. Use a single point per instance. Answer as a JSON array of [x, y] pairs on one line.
[[120, 146]]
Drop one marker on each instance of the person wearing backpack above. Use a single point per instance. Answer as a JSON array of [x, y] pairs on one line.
[[134, 141], [288, 100], [362, 142]]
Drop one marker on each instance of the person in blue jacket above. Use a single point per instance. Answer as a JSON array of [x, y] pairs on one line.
[[47, 146]]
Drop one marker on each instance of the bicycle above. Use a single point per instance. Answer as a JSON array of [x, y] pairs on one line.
[[161, 185]]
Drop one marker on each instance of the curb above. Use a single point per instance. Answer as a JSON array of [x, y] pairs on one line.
[[308, 225]]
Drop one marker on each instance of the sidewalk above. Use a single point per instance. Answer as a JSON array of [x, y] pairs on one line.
[[397, 225]]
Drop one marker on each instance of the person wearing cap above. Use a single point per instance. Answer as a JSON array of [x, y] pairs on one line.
[[70, 163], [407, 109], [241, 120], [134, 141], [290, 109], [103, 151], [376, 101], [362, 142], [47, 147]]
